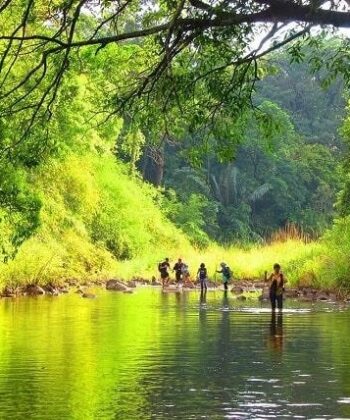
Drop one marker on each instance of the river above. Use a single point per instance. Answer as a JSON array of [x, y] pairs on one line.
[[154, 355]]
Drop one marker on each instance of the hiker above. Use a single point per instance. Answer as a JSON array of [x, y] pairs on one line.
[[226, 274], [276, 289], [178, 267], [202, 275], [163, 268], [186, 275]]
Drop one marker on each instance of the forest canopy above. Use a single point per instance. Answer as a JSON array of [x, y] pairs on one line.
[[230, 110], [193, 65]]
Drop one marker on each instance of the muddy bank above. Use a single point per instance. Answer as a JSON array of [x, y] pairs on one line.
[[241, 289]]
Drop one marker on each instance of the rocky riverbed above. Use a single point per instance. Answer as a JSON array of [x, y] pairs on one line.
[[241, 289]]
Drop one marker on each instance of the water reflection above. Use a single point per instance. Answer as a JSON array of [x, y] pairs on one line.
[[225, 301], [203, 299], [276, 332], [154, 355]]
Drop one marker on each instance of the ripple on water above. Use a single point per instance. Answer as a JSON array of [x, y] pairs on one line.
[[149, 355]]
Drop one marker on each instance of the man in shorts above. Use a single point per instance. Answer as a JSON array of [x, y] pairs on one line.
[[163, 268]]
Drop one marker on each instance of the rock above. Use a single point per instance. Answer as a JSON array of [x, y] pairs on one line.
[[308, 295], [237, 290], [155, 282], [72, 282], [116, 285], [34, 290], [87, 283], [51, 290], [88, 295], [79, 290], [291, 293], [260, 284], [10, 291], [131, 283]]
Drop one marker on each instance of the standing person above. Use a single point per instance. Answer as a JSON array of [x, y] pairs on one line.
[[163, 268], [178, 268], [226, 274], [276, 289], [186, 275], [202, 275]]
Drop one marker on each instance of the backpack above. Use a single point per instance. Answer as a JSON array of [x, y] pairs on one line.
[[160, 267], [227, 272]]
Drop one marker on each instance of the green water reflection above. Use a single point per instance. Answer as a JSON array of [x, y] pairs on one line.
[[152, 355]]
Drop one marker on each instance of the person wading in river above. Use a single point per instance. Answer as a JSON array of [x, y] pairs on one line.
[[226, 274], [178, 268], [202, 275], [277, 282], [163, 268]]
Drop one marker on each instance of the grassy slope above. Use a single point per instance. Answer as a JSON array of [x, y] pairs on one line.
[[97, 222]]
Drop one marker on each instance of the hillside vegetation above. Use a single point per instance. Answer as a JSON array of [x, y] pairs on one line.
[[91, 195]]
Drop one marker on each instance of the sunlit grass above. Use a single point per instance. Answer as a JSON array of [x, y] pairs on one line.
[[248, 263]]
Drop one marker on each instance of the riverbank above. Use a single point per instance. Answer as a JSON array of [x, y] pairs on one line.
[[310, 268], [243, 290]]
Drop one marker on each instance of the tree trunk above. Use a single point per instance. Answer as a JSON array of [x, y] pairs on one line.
[[153, 165]]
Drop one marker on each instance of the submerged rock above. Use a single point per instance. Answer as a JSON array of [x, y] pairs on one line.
[[237, 290], [88, 295]]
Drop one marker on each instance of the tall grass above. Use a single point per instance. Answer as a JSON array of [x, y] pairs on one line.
[[290, 232], [248, 263]]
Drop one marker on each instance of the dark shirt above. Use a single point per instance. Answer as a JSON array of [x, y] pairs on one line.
[[276, 286], [178, 267], [164, 267], [202, 273], [226, 272]]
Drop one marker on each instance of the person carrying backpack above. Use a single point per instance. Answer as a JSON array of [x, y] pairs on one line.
[[178, 268], [226, 274], [163, 268]]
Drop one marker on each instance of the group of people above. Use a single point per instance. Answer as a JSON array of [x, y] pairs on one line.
[[182, 275], [180, 268]]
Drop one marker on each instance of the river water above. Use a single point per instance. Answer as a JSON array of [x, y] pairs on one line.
[[154, 355]]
